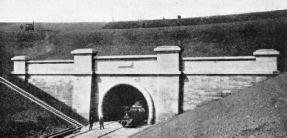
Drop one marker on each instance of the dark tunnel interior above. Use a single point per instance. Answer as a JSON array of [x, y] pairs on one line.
[[119, 100]]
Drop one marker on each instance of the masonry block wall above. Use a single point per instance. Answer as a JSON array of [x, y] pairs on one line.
[[68, 81], [59, 86], [201, 89], [156, 76], [212, 78], [50, 76], [169, 89]]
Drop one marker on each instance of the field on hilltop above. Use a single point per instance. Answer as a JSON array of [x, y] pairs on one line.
[[195, 21], [83, 26], [220, 39]]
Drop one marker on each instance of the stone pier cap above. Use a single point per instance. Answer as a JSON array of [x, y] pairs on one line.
[[167, 48], [266, 52], [20, 58], [84, 51]]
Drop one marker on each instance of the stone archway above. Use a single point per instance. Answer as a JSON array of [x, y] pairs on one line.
[[135, 92]]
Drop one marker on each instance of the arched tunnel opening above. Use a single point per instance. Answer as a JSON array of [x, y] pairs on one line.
[[120, 99]]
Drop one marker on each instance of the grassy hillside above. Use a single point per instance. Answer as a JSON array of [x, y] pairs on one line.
[[19, 117], [257, 112], [196, 21], [226, 39], [54, 26], [221, 39]]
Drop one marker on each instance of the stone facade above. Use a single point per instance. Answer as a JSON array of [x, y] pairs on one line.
[[59, 86], [170, 84], [201, 89]]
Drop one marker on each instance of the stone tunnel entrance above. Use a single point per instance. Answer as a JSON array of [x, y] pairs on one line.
[[120, 99]]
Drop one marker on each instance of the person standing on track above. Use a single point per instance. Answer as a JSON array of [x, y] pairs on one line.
[[91, 122], [101, 122]]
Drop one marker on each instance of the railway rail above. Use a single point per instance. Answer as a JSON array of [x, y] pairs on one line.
[[76, 125]]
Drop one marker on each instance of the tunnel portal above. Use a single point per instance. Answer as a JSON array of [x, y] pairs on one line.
[[120, 99]]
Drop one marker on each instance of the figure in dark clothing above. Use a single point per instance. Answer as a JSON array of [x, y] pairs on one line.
[[21, 27], [101, 122], [91, 121]]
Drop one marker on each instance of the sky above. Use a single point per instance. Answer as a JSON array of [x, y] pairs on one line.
[[126, 10]]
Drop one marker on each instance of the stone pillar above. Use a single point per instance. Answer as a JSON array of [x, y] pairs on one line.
[[83, 60], [167, 96], [20, 66], [167, 59], [266, 61], [83, 81]]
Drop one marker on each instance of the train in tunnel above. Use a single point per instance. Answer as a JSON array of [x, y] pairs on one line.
[[135, 116], [126, 105]]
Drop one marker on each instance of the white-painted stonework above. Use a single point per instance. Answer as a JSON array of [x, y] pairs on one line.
[[169, 83]]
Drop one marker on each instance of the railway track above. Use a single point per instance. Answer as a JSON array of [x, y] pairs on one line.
[[76, 125]]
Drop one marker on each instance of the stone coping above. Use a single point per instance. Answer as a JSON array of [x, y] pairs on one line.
[[193, 73], [141, 73], [219, 58], [98, 73], [167, 48], [126, 57], [84, 52], [50, 61], [20, 58], [149, 74], [266, 52]]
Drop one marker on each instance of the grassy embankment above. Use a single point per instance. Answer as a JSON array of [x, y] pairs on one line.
[[257, 112], [20, 117]]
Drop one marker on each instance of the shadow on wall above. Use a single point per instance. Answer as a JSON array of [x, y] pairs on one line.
[[94, 100], [50, 100]]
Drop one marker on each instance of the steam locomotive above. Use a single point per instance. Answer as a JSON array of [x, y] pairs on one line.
[[134, 117]]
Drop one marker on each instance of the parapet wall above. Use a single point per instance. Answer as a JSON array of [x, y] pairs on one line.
[[50, 67], [213, 78], [142, 64], [263, 62]]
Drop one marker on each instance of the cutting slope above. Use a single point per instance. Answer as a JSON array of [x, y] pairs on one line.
[[259, 111], [20, 117]]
